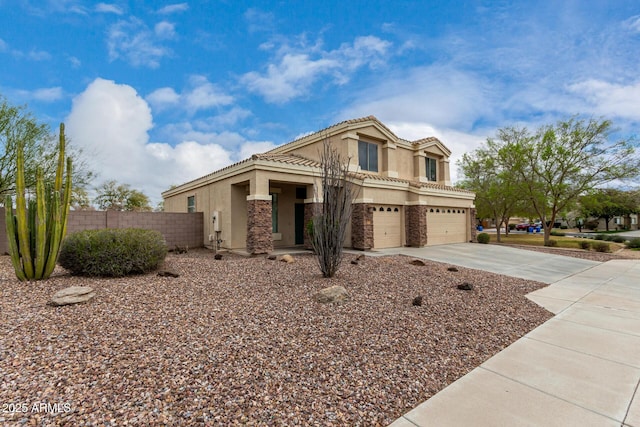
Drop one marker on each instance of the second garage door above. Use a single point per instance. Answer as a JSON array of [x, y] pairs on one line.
[[387, 227], [446, 225]]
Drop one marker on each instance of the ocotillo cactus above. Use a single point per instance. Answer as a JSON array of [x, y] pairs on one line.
[[39, 231]]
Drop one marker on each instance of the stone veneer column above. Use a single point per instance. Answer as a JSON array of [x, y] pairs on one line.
[[259, 237], [361, 227], [472, 220], [416, 225], [310, 210]]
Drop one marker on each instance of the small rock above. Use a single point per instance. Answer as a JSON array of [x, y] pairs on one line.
[[452, 269], [417, 301], [465, 286], [418, 262], [272, 257], [286, 258], [181, 249], [360, 257], [336, 293], [217, 256], [167, 273], [72, 295], [354, 262]]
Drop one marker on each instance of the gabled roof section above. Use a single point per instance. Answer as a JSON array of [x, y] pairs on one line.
[[424, 143], [353, 124]]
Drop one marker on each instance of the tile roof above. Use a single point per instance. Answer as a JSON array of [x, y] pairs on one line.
[[415, 184], [327, 129], [292, 159]]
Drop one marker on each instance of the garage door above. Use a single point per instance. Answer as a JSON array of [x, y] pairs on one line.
[[387, 227], [446, 225]]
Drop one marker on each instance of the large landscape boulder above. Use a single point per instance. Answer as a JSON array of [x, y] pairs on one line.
[[336, 293], [287, 258], [73, 295]]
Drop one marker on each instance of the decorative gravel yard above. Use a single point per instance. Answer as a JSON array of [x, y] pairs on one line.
[[240, 341]]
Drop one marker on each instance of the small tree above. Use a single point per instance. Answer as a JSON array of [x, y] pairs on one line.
[[329, 227], [120, 197], [560, 162], [498, 191]]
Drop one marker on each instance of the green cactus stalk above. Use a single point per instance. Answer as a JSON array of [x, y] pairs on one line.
[[24, 241], [11, 235], [40, 229]]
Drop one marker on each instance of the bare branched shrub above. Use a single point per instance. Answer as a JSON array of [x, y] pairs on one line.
[[329, 226]]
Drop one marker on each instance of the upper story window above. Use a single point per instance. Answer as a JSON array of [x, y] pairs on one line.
[[368, 156], [431, 169], [191, 204]]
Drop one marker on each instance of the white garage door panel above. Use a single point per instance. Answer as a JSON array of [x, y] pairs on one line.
[[387, 227], [446, 226]]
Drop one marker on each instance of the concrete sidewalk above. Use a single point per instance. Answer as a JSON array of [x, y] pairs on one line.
[[581, 368]]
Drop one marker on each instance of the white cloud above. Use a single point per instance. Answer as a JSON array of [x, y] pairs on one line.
[[3, 46], [136, 43], [633, 23], [200, 94], [46, 94], [39, 55], [173, 8], [250, 148], [444, 96], [111, 123], [610, 99], [258, 20], [108, 8], [165, 30], [296, 69]]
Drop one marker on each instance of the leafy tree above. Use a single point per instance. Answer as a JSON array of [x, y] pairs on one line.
[[607, 203], [18, 127], [137, 201], [498, 191], [560, 162], [120, 197], [80, 200], [329, 226]]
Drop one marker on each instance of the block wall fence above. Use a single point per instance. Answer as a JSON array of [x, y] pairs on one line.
[[183, 229]]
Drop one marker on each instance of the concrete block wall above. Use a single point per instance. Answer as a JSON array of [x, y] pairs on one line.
[[183, 229]]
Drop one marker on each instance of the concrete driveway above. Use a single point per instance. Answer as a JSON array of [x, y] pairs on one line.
[[539, 266], [580, 368]]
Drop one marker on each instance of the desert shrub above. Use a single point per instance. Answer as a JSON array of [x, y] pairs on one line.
[[483, 238], [599, 237], [557, 233], [112, 252], [564, 227], [552, 243], [618, 239], [591, 225], [585, 245], [512, 227], [601, 247], [634, 243]]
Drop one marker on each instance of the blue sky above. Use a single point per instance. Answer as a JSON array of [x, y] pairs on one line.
[[160, 93]]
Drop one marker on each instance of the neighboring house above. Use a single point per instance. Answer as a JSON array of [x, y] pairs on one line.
[[628, 222], [405, 197]]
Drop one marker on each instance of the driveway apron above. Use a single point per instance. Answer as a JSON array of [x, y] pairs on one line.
[[580, 368]]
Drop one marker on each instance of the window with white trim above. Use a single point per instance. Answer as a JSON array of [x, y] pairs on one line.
[[191, 204]]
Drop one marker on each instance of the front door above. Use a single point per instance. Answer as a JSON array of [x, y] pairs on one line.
[[299, 223]]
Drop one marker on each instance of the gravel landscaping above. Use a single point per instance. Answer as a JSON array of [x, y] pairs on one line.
[[240, 341]]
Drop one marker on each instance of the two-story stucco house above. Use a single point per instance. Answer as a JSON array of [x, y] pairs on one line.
[[405, 196]]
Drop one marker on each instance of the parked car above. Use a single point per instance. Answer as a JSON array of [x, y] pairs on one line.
[[525, 226]]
